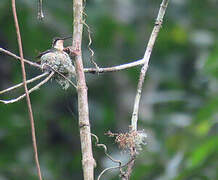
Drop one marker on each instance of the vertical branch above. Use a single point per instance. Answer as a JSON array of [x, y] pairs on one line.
[[25, 87], [84, 125], [40, 14], [146, 59]]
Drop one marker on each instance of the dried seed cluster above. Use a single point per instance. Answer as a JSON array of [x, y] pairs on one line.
[[130, 140]]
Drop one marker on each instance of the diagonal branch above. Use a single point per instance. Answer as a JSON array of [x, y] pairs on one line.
[[146, 59], [144, 68], [30, 91], [21, 84], [25, 87], [17, 57]]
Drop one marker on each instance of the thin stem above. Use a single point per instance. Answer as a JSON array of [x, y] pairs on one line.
[[126, 175], [107, 169], [105, 150], [21, 84], [89, 46], [146, 59], [88, 161], [25, 87], [40, 14], [30, 91], [115, 167]]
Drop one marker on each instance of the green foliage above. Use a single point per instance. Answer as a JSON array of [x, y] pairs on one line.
[[179, 100], [211, 65]]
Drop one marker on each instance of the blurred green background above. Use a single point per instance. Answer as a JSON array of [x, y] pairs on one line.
[[179, 101]]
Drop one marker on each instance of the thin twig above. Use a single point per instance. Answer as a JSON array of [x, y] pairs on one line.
[[40, 14], [30, 91], [25, 87], [129, 163], [89, 46], [126, 175], [17, 57], [105, 150], [88, 161], [21, 84], [107, 169], [115, 167], [146, 58]]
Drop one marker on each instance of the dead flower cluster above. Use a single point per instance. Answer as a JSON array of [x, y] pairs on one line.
[[129, 140]]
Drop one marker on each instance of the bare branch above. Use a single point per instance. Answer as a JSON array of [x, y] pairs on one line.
[[21, 84], [86, 70], [115, 68], [146, 58], [88, 161], [30, 91], [40, 14], [126, 175], [25, 87], [17, 57]]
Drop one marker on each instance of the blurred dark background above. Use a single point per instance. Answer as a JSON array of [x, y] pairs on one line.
[[179, 101]]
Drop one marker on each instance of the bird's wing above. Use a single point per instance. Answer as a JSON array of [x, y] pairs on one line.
[[42, 53]]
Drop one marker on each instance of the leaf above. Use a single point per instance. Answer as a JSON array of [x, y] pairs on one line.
[[211, 65], [203, 151]]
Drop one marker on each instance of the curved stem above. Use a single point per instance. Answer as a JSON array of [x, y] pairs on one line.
[[25, 87]]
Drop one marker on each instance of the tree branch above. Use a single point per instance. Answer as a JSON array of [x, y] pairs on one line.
[[146, 58], [88, 162], [21, 84], [115, 68], [40, 14], [17, 57], [86, 70], [25, 87], [31, 90]]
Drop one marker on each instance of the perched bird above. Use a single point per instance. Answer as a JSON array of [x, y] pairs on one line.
[[57, 60]]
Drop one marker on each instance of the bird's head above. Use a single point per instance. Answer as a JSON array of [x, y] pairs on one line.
[[58, 43]]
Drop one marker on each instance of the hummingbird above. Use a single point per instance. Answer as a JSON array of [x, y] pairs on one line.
[[57, 45], [57, 60]]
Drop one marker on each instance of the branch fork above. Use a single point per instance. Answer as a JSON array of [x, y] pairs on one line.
[[84, 125]]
